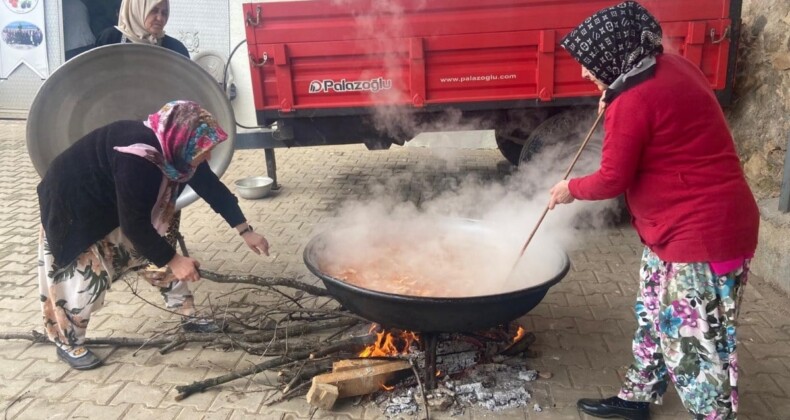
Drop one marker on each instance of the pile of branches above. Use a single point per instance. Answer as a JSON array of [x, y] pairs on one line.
[[297, 329]]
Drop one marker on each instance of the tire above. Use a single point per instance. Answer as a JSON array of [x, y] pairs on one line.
[[513, 130], [565, 130], [510, 146], [560, 137]]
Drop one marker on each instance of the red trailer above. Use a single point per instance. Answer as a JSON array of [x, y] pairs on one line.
[[373, 71]]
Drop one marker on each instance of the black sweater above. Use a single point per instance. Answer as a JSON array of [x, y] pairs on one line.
[[91, 189], [112, 35]]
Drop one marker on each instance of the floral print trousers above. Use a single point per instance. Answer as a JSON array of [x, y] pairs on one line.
[[686, 315], [71, 294]]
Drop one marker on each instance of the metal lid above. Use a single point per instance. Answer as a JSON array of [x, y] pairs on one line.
[[121, 82]]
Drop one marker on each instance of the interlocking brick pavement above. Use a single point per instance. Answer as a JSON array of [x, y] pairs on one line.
[[584, 324]]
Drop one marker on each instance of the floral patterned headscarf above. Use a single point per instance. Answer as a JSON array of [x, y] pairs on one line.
[[185, 132]]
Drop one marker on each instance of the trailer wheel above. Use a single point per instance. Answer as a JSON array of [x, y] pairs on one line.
[[510, 144], [514, 128], [560, 137], [564, 133]]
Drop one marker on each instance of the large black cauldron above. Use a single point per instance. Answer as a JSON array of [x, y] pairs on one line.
[[431, 314]]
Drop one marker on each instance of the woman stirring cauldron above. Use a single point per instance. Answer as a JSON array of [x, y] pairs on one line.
[[668, 148], [105, 204]]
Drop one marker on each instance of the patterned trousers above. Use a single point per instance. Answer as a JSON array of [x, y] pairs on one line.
[[686, 315], [71, 294]]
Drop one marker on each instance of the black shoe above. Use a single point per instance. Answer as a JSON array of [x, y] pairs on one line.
[[79, 358], [200, 325], [614, 407]]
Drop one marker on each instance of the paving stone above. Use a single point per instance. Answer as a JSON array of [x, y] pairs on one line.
[[567, 397], [264, 415], [753, 403], [46, 409], [780, 406], [41, 369], [141, 374], [200, 401], [581, 342], [190, 413], [139, 411], [101, 394], [52, 390], [222, 360], [180, 375], [598, 327], [13, 349], [250, 402], [9, 389], [584, 377], [88, 411], [149, 396]]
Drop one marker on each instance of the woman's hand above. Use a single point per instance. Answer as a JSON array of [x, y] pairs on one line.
[[560, 194], [602, 103], [184, 268], [257, 243]]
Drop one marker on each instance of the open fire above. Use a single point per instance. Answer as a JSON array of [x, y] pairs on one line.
[[459, 369], [389, 343]]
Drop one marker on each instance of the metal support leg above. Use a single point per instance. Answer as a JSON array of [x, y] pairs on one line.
[[431, 340], [271, 167]]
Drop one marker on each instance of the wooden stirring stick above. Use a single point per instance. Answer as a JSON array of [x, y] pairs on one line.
[[567, 173]]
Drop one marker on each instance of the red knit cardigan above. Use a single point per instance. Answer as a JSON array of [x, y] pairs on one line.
[[668, 148]]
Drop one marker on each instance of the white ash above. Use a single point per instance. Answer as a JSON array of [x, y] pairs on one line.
[[401, 402], [537, 408], [495, 387]]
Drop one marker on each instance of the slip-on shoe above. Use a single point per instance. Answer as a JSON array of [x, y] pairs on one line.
[[80, 358], [615, 407]]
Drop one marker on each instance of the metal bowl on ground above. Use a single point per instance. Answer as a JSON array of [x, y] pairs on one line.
[[437, 314], [254, 187], [121, 82]]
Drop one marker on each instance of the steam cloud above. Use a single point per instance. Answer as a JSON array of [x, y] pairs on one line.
[[409, 212]]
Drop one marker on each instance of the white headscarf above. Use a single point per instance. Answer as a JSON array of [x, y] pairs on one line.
[[131, 20]]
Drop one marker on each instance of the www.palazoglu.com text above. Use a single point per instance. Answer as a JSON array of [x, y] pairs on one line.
[[480, 78]]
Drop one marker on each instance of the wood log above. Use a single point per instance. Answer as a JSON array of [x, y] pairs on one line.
[[364, 380], [349, 364], [322, 395]]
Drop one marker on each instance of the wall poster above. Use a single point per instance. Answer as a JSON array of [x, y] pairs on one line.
[[22, 37]]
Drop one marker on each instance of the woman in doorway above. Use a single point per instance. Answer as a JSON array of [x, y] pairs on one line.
[[668, 148], [106, 203], [142, 22]]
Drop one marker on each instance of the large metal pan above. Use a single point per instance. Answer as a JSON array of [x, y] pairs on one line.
[[431, 314], [121, 82]]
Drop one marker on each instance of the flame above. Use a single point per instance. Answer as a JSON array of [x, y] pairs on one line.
[[387, 388], [389, 343], [520, 333]]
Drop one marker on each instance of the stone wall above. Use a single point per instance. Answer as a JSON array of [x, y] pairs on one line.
[[760, 121]]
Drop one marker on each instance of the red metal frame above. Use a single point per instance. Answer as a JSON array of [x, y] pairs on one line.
[[445, 52]]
